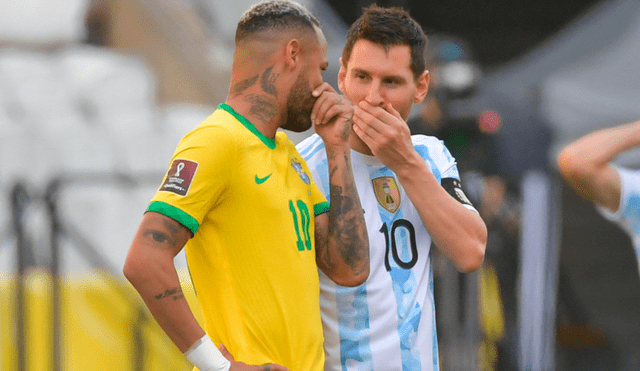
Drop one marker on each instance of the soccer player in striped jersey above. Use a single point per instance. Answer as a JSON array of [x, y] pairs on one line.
[[411, 193], [242, 200], [586, 165]]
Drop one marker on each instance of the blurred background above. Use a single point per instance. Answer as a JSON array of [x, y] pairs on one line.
[[95, 95]]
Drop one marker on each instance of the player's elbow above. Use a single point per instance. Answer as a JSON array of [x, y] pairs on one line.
[[352, 277], [572, 166], [348, 275], [474, 254], [472, 261], [357, 279], [133, 269]]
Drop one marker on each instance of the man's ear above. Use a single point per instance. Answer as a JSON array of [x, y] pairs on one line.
[[422, 87], [292, 53], [342, 74]]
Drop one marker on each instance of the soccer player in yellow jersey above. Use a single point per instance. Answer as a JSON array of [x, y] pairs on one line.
[[255, 226]]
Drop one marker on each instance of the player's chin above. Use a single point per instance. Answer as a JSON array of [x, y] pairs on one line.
[[298, 126]]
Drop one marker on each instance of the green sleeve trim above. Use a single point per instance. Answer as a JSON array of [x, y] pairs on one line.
[[176, 214], [320, 208]]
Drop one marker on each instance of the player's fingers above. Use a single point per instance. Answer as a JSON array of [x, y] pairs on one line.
[[379, 112], [322, 88], [337, 110], [361, 130], [330, 105], [366, 121], [389, 108], [320, 107]]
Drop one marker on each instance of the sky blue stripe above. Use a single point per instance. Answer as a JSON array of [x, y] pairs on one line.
[[436, 361], [404, 286], [314, 144], [353, 316]]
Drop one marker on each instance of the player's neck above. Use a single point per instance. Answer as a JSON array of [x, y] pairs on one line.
[[258, 113]]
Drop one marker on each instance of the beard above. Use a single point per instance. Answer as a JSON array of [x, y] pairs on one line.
[[299, 105]]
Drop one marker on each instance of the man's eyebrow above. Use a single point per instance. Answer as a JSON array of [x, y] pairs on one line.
[[398, 78], [360, 70]]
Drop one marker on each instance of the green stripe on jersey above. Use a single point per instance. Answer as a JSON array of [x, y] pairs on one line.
[[175, 214], [320, 208]]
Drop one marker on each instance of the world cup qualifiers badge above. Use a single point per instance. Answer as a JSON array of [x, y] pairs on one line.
[[179, 177], [297, 166]]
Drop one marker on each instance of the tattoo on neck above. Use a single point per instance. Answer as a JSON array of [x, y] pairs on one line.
[[268, 80], [264, 109], [243, 85]]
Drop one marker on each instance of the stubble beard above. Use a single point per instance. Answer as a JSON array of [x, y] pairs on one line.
[[299, 105]]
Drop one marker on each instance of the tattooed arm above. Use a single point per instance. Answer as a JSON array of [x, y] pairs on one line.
[[149, 267], [342, 244]]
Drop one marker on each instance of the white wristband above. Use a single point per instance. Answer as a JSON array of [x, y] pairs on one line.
[[206, 357]]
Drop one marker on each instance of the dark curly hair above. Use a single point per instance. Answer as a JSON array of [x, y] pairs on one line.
[[389, 27]]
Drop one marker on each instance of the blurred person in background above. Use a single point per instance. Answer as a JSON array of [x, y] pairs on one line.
[[412, 196], [240, 198], [450, 112], [586, 165]]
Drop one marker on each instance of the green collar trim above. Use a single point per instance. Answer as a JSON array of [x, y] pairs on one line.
[[271, 143]]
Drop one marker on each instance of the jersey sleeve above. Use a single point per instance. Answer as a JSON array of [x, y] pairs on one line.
[[311, 149], [197, 176], [443, 165]]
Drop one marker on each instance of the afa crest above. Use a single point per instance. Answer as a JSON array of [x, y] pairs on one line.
[[387, 193]]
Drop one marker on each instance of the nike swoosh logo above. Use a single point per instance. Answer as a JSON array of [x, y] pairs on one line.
[[262, 180]]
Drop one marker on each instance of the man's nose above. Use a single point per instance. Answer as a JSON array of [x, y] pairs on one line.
[[374, 96]]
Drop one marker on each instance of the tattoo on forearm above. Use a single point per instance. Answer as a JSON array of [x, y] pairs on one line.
[[243, 85], [266, 367], [262, 108], [345, 224], [268, 80], [323, 256], [174, 293]]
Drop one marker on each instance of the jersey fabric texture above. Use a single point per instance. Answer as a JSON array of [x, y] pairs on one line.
[[628, 214], [250, 202], [387, 323]]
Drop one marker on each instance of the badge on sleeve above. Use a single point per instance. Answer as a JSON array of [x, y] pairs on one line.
[[454, 188], [179, 177], [387, 193]]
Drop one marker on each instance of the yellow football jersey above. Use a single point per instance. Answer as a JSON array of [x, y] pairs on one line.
[[250, 202]]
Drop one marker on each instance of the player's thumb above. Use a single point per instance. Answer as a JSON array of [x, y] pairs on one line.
[[226, 353]]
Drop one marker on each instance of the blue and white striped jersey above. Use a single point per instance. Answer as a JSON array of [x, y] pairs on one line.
[[387, 323], [628, 214]]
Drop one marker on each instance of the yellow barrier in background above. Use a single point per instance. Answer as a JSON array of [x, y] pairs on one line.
[[99, 314]]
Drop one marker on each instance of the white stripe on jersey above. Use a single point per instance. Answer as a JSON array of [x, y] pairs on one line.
[[628, 214], [387, 323]]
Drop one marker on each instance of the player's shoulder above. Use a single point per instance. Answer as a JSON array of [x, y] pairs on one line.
[[310, 146], [426, 140], [629, 179], [430, 146]]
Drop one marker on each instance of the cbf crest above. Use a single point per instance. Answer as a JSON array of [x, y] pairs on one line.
[[387, 193], [297, 166]]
